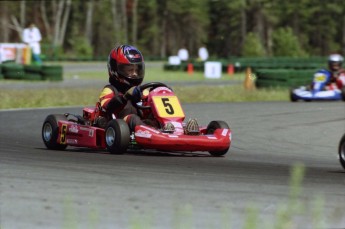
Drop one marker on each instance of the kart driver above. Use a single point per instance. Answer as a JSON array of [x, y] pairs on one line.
[[337, 72], [126, 69]]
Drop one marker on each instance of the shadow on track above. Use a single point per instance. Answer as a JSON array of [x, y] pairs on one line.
[[152, 153]]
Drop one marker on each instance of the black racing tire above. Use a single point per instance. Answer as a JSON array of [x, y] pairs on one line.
[[212, 126], [343, 93], [292, 96], [342, 151], [50, 132], [117, 136]]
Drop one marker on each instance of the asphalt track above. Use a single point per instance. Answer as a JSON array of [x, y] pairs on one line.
[[81, 188]]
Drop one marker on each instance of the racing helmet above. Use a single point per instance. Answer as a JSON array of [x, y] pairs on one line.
[[335, 61], [126, 65]]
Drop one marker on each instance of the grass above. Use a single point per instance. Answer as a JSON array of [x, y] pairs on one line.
[[153, 72], [226, 89], [52, 97]]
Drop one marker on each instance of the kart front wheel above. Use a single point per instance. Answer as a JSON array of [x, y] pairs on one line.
[[117, 136], [211, 129], [50, 132], [343, 93], [342, 151]]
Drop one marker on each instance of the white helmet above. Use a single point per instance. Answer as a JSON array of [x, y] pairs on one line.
[[335, 61]]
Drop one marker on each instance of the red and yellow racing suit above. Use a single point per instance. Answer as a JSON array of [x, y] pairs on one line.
[[113, 102]]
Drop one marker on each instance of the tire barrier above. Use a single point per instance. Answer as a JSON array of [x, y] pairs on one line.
[[242, 63], [13, 71], [283, 77], [31, 72], [52, 72], [197, 66]]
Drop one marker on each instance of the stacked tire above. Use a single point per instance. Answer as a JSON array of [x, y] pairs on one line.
[[13, 71], [1, 75], [285, 78], [33, 72], [52, 72]]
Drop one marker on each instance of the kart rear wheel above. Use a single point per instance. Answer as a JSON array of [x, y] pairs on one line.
[[50, 132], [210, 130], [117, 136], [342, 151], [292, 96], [343, 93]]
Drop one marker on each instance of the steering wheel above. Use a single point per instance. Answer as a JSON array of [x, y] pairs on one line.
[[151, 85]]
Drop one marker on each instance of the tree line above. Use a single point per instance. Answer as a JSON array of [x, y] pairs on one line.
[[161, 27]]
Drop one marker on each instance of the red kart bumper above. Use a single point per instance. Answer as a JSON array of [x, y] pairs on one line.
[[79, 135], [153, 139]]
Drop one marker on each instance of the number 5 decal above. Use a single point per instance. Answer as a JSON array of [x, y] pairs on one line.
[[168, 108], [63, 134]]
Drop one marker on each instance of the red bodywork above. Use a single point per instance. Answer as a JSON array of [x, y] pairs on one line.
[[71, 133], [153, 139], [165, 107]]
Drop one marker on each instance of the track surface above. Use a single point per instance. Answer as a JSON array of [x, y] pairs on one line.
[[79, 188]]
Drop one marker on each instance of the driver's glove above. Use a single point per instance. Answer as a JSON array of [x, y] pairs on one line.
[[133, 94]]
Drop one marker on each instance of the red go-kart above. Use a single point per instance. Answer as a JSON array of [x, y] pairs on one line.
[[158, 103]]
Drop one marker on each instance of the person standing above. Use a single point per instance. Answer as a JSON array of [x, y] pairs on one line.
[[183, 54], [203, 53], [32, 37]]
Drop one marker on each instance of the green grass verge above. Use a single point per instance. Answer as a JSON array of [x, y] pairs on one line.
[[42, 97], [153, 72], [52, 97]]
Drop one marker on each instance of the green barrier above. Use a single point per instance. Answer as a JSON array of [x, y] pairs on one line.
[[33, 69], [277, 63], [52, 72], [168, 67], [31, 72], [32, 76], [13, 71], [14, 75], [53, 77], [283, 77]]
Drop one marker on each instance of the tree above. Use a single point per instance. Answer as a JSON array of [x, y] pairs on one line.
[[285, 43], [89, 20], [252, 46], [150, 35], [161, 27], [186, 24], [57, 24], [5, 34]]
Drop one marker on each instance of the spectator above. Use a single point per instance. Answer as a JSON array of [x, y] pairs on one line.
[[32, 37], [183, 54], [203, 53]]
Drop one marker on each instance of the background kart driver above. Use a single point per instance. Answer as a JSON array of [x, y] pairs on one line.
[[126, 70], [337, 79], [337, 72]]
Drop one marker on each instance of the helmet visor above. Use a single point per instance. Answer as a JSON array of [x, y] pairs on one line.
[[335, 65], [132, 71]]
